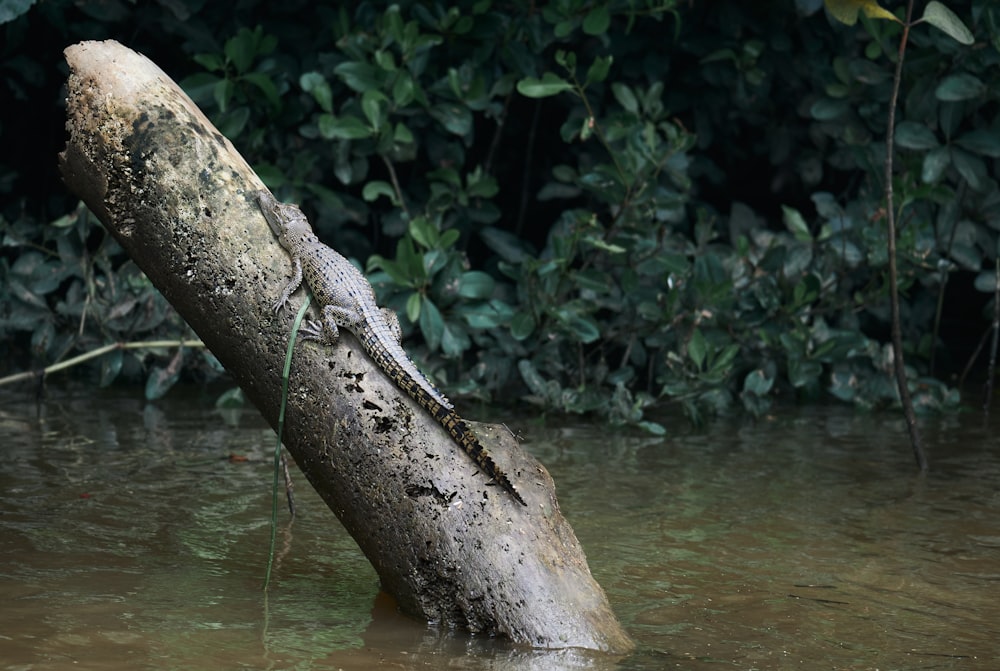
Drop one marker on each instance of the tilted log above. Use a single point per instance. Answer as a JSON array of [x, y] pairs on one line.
[[451, 548]]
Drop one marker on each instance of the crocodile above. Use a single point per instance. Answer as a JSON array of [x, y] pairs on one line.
[[347, 300]]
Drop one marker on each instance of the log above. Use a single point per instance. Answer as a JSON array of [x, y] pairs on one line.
[[447, 545]]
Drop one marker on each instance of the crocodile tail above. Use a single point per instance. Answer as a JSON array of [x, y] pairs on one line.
[[466, 438], [411, 381]]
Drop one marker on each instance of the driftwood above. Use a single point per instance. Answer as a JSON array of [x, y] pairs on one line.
[[450, 547]]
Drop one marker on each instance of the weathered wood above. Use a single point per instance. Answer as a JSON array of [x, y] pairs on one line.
[[449, 546]]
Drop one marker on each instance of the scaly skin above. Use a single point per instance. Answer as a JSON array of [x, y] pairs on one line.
[[347, 300]]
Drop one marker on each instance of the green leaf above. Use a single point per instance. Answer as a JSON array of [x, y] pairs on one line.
[[240, 50], [485, 314], [936, 161], [372, 104], [532, 378], [584, 328], [481, 185], [593, 280], [212, 62], [846, 11], [343, 128], [223, 93], [160, 381], [795, 223], [455, 118], [597, 20], [757, 382], [431, 323], [385, 60], [476, 285], [522, 326], [232, 398], [611, 248], [449, 238], [803, 373], [725, 358], [981, 141], [411, 262], [265, 85], [962, 86], [402, 135], [697, 349], [971, 168], [200, 86], [403, 89], [393, 270], [828, 109], [233, 123], [424, 232], [454, 341], [625, 97], [359, 76], [947, 22], [914, 135], [508, 246], [11, 9], [449, 176], [372, 190], [986, 281], [598, 70], [549, 85], [413, 307], [719, 55], [566, 59], [654, 428], [316, 85], [111, 365]]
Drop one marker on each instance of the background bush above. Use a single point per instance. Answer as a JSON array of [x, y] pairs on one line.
[[595, 205]]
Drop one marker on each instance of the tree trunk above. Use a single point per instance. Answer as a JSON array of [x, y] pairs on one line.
[[449, 546]]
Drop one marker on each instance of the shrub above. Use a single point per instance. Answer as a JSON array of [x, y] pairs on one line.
[[609, 205]]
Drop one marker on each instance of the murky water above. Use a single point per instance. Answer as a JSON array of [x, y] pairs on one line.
[[135, 536]]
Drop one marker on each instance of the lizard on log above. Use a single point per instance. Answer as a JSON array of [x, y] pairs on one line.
[[174, 193], [347, 300]]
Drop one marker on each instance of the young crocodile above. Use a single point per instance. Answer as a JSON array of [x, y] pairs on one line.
[[347, 300]]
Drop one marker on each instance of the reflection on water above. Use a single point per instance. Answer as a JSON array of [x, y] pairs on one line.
[[131, 539]]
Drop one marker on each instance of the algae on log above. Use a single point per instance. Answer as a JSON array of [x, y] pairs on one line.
[[449, 546]]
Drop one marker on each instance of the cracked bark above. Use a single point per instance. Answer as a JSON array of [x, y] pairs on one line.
[[451, 548]]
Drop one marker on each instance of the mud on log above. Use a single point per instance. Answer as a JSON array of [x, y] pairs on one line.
[[448, 546]]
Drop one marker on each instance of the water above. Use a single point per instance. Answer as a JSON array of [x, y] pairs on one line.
[[134, 536]]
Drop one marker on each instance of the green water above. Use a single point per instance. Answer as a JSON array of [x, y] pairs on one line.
[[134, 536]]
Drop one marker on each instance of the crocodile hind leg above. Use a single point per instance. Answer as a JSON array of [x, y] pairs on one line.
[[325, 331]]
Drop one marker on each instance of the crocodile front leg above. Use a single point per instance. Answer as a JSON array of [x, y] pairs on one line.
[[292, 285]]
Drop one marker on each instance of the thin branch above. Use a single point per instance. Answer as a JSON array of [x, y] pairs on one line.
[[498, 134], [897, 336], [93, 354], [975, 355], [992, 371], [395, 186], [529, 161]]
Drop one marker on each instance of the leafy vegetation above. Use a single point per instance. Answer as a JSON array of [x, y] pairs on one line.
[[599, 206]]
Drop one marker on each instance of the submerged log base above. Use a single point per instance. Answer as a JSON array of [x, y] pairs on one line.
[[448, 545]]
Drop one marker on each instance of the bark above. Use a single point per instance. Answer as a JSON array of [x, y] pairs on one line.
[[449, 546]]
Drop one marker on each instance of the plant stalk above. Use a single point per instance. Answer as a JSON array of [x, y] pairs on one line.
[[897, 335]]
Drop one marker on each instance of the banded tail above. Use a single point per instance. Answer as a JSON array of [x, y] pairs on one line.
[[420, 389]]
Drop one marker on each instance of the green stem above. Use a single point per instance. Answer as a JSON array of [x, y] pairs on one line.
[[94, 353], [277, 446], [902, 383]]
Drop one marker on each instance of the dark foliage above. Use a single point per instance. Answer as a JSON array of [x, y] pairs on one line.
[[594, 205]]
